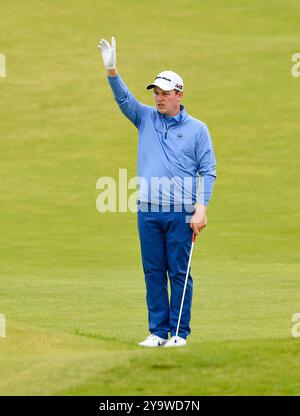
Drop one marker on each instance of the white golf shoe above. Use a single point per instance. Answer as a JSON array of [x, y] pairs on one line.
[[175, 342], [153, 341]]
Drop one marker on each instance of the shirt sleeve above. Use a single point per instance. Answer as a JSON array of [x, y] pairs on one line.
[[128, 104], [206, 166]]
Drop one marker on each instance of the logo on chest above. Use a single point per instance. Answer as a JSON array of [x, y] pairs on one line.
[[179, 135]]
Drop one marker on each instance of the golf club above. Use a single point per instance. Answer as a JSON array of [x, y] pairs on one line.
[[185, 284]]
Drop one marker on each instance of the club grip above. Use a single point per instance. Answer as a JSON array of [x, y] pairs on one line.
[[193, 237]]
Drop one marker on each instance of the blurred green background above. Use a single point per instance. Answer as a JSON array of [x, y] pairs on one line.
[[71, 280]]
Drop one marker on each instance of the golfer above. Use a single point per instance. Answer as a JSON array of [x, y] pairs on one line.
[[174, 149]]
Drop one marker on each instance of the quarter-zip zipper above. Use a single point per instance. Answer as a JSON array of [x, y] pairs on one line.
[[167, 127], [166, 132]]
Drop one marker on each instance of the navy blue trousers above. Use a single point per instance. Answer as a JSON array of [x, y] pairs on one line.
[[165, 240]]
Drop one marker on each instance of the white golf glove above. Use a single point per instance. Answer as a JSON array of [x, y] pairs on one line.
[[108, 53]]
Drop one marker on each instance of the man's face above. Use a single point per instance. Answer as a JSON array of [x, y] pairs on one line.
[[167, 102]]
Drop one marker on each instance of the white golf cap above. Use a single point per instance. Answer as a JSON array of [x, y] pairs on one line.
[[167, 80]]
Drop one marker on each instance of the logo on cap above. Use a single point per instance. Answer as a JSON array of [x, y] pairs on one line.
[[178, 86], [167, 79]]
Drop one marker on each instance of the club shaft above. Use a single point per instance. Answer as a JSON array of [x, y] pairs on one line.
[[185, 285]]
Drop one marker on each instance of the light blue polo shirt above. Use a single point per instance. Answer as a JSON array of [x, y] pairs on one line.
[[172, 152]]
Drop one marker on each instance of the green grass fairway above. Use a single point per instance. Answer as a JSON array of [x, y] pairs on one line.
[[71, 279]]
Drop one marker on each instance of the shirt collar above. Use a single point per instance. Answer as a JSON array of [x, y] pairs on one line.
[[174, 119]]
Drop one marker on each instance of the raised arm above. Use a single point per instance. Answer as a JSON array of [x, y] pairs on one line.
[[128, 104]]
